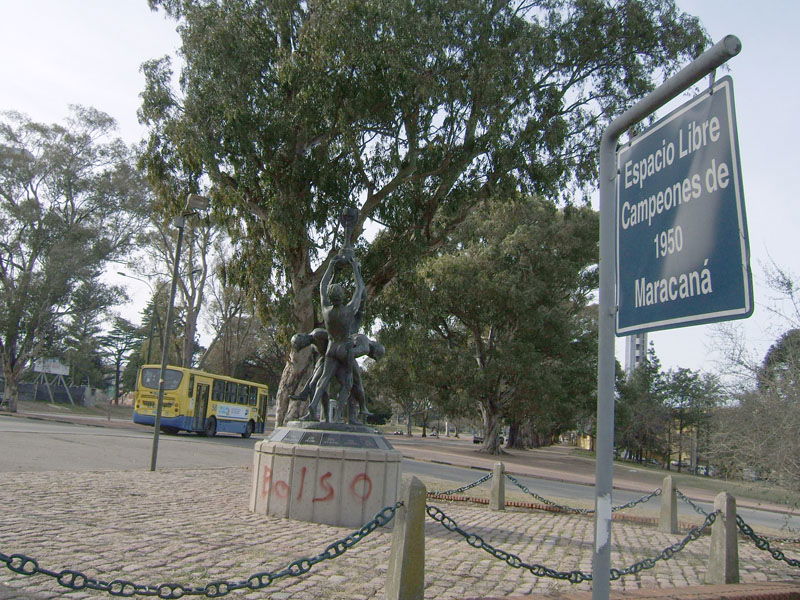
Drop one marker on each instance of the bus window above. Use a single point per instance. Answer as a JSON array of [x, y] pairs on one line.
[[218, 393], [230, 391], [251, 394], [242, 397], [172, 378], [191, 386]]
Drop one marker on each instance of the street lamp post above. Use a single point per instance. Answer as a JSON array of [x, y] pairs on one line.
[[154, 318], [194, 203]]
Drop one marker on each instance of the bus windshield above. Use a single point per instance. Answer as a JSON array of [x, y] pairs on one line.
[[172, 378]]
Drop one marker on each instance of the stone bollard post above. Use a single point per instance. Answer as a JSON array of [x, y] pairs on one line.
[[497, 498], [723, 561], [668, 519], [405, 579]]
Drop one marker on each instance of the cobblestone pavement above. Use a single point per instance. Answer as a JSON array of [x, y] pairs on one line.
[[193, 527]]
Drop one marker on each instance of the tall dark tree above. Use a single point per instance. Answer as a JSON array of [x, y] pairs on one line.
[[642, 416], [503, 307], [119, 343], [691, 396], [70, 200], [416, 110], [81, 333]]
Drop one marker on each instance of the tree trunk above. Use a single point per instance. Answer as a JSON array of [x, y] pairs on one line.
[[299, 362], [680, 442], [11, 389], [117, 380], [491, 428], [291, 379], [513, 436]]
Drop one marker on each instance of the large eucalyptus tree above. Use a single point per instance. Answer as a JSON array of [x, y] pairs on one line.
[[415, 110]]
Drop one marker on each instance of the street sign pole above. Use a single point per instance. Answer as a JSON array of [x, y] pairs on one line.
[[712, 58]]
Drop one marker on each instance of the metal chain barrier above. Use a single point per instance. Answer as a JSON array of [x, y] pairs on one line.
[[515, 561], [642, 500], [463, 488], [512, 560], [543, 500], [75, 580], [685, 498], [668, 552], [783, 540], [763, 544], [581, 511]]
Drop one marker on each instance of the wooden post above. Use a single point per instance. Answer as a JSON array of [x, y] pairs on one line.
[[497, 498], [668, 519], [723, 561], [405, 579]]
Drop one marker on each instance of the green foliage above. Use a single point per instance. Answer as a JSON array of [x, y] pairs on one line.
[[416, 110], [498, 320], [119, 343], [70, 200], [656, 410], [642, 417], [781, 362]]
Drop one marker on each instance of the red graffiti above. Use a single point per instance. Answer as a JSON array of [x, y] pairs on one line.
[[282, 489], [302, 482], [360, 486], [366, 487], [325, 485], [265, 481]]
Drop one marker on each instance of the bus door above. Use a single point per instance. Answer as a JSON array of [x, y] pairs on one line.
[[200, 407]]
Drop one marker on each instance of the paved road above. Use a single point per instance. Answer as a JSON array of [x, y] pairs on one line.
[[28, 445], [32, 445]]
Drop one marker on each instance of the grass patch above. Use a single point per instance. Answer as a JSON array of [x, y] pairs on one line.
[[101, 410], [756, 490]]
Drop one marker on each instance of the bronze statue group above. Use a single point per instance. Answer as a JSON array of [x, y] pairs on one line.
[[339, 344]]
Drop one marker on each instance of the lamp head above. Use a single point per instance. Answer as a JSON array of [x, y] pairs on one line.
[[196, 202]]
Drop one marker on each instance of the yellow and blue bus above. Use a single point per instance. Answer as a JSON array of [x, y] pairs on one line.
[[201, 402]]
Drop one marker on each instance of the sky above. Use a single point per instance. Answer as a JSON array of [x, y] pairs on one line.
[[60, 52]]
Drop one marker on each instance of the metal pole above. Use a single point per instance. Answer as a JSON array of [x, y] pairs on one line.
[[715, 56], [150, 335], [180, 222]]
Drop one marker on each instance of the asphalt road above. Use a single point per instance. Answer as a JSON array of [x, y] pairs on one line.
[[28, 445]]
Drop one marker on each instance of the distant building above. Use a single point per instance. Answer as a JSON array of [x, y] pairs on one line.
[[635, 351]]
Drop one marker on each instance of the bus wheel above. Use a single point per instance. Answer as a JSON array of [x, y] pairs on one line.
[[248, 430], [211, 427], [170, 430]]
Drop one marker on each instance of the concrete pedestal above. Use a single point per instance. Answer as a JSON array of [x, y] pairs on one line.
[[328, 473]]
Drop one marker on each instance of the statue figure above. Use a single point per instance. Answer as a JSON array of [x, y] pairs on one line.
[[339, 319], [356, 407], [339, 343]]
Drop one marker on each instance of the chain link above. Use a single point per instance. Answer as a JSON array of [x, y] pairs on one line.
[[668, 552], [463, 488], [515, 561], [698, 509], [512, 560], [543, 500], [783, 540], [763, 544], [75, 580], [581, 511], [642, 500]]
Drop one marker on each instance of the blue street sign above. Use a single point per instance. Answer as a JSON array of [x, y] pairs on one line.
[[682, 249]]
